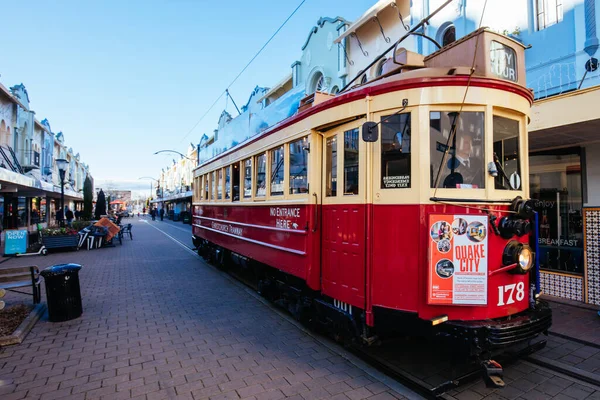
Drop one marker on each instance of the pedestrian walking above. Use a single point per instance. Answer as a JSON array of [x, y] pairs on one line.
[[162, 213], [69, 215], [153, 214]]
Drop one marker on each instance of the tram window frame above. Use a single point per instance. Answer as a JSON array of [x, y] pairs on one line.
[[302, 144], [271, 159], [499, 147], [443, 127], [349, 155], [226, 182], [331, 166], [245, 175], [394, 153], [262, 195]]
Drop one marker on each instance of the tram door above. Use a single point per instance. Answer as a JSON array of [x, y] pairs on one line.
[[343, 224]]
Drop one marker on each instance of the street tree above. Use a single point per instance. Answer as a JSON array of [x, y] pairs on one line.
[[100, 205], [88, 196]]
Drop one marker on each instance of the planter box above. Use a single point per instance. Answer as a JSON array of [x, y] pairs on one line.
[[54, 242]]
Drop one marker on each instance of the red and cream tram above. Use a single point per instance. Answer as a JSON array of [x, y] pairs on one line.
[[397, 205]]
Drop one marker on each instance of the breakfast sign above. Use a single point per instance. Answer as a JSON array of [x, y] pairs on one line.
[[458, 259]]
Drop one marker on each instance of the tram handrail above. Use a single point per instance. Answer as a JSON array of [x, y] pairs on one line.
[[316, 213]]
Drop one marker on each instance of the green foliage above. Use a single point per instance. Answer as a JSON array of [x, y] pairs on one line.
[[88, 196], [100, 205], [58, 232], [79, 225]]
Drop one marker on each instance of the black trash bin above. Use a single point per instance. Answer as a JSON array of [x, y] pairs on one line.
[[62, 292]]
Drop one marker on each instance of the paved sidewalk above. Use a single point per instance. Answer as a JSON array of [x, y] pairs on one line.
[[158, 324]]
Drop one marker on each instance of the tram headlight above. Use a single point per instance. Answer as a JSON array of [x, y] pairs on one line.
[[520, 255]]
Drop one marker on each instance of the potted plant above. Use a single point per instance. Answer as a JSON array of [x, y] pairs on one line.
[[53, 238]]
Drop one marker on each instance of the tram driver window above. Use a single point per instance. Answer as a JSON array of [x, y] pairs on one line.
[[261, 170], [298, 166], [277, 171], [351, 162], [395, 151], [248, 178], [331, 167], [463, 166], [506, 149]]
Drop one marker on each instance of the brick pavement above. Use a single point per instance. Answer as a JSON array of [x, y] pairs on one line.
[[158, 324]]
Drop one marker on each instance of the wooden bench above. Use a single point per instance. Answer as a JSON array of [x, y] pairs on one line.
[[20, 277]]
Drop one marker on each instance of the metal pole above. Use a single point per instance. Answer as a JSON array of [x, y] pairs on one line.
[[62, 199]]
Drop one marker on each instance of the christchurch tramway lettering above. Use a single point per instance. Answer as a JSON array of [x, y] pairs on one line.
[[234, 230]]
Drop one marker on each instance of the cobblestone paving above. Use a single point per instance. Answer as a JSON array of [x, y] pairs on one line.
[[158, 324], [580, 323]]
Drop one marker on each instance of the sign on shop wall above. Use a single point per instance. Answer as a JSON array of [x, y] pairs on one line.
[[458, 270], [15, 241]]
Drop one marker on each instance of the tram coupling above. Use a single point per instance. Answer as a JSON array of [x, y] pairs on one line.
[[493, 374]]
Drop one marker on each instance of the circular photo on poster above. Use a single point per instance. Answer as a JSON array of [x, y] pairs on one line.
[[444, 268], [441, 230], [459, 226], [444, 246], [476, 232]]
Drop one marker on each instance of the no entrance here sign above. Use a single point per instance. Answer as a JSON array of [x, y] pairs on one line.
[[15, 241]]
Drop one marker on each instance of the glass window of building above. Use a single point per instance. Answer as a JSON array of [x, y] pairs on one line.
[[506, 152], [395, 151], [22, 212], [351, 162], [248, 178], [227, 183], [261, 170], [299, 166], [220, 184], [549, 12], [449, 35], [277, 171], [556, 187], [463, 165], [331, 166]]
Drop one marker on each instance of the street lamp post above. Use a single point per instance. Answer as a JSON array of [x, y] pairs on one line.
[[173, 151], [149, 177], [61, 164]]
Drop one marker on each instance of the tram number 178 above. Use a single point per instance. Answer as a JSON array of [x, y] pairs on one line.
[[507, 295]]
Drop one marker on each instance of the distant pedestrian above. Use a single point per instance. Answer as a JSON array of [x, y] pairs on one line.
[[59, 216], [153, 214], [162, 213], [69, 215]]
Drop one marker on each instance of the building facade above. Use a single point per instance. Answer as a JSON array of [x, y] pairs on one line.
[[30, 185]]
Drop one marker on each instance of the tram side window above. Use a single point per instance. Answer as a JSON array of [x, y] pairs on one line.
[[277, 171], [331, 166], [506, 149], [463, 166], [261, 170], [213, 188], [299, 166], [227, 183], [248, 178], [220, 184], [351, 162], [395, 151], [235, 184], [206, 183]]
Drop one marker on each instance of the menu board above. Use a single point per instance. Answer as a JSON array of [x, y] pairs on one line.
[[458, 270]]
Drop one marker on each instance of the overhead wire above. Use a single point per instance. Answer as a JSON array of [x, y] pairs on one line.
[[244, 69]]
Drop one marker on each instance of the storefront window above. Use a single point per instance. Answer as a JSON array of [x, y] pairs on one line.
[[555, 183], [22, 212], [395, 151], [464, 163]]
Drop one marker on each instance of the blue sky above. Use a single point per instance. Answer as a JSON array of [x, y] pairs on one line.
[[123, 79]]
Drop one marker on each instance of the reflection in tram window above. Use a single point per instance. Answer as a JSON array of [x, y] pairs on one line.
[[506, 148], [351, 162], [227, 182], [277, 171], [395, 151], [248, 178], [331, 167], [298, 166], [464, 163], [261, 170], [220, 184]]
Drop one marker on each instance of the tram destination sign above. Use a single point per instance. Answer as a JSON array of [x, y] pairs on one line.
[[458, 270], [503, 61]]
